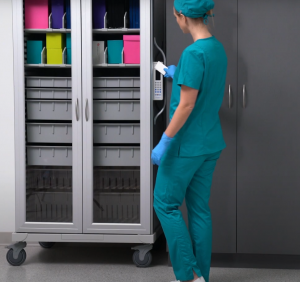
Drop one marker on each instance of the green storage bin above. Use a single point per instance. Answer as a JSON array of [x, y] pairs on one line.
[[68, 40], [114, 49], [69, 56], [55, 41], [54, 56], [34, 51]]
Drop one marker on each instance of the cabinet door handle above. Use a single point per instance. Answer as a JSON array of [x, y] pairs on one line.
[[76, 110], [86, 110], [244, 96], [230, 97]]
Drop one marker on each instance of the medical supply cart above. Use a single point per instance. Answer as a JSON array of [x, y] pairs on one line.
[[84, 126]]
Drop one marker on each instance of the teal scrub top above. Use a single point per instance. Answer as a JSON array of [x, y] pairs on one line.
[[202, 66]]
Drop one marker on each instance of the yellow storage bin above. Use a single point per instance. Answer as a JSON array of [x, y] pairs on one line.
[[54, 56], [55, 41]]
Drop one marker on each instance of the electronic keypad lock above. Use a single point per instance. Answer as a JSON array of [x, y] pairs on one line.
[[159, 81]]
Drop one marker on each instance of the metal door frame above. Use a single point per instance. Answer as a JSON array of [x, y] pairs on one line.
[[20, 145], [145, 227]]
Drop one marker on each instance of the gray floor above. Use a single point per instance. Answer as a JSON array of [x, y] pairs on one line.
[[109, 263]]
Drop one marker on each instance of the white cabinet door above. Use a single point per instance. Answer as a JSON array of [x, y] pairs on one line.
[[117, 184], [48, 119]]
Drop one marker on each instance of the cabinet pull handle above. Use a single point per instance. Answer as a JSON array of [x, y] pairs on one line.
[[76, 109], [244, 96], [230, 97], [86, 110]]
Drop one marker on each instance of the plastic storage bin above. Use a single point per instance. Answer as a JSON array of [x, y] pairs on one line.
[[98, 52], [134, 13], [56, 41], [116, 82], [49, 156], [42, 93], [49, 133], [99, 10], [36, 14], [114, 50], [49, 206], [69, 56], [116, 110], [116, 156], [55, 56], [116, 207], [116, 10], [116, 133], [38, 81], [116, 93], [58, 10], [49, 109], [34, 51], [132, 49], [68, 41], [68, 14]]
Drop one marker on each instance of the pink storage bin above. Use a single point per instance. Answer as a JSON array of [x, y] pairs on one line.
[[132, 49], [36, 14]]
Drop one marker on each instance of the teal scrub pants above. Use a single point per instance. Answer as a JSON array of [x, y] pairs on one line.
[[188, 178]]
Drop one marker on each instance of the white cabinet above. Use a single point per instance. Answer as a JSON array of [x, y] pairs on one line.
[[84, 135]]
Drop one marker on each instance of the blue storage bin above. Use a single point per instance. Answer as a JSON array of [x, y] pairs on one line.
[[69, 56], [68, 11], [114, 49], [68, 41], [34, 50]]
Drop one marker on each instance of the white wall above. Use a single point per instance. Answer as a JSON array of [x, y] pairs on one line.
[[7, 171]]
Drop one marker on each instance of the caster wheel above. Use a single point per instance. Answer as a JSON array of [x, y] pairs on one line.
[[142, 263], [16, 262], [47, 245]]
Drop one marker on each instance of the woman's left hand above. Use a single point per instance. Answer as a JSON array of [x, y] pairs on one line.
[[170, 71], [160, 149]]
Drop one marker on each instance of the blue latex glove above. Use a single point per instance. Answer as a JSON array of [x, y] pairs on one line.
[[170, 71], [160, 149]]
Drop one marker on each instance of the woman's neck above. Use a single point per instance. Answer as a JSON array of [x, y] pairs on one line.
[[199, 32]]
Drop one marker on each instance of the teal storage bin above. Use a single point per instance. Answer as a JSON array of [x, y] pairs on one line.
[[114, 49], [34, 50], [69, 56], [68, 40]]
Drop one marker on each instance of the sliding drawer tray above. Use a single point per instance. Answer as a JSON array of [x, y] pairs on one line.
[[117, 93], [50, 178], [116, 110], [116, 180], [49, 109], [116, 207], [116, 82], [49, 156], [116, 156], [49, 133], [117, 133], [49, 207], [39, 81], [46, 93]]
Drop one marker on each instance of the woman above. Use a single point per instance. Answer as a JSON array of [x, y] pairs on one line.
[[191, 145]]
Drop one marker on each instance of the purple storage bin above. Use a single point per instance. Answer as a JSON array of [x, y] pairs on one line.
[[58, 10], [99, 10]]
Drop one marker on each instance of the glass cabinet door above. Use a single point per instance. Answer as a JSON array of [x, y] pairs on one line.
[[113, 60], [48, 118]]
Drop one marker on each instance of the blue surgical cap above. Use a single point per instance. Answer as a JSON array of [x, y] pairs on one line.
[[194, 8]]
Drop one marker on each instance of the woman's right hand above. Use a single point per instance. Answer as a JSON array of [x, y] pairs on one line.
[[170, 71]]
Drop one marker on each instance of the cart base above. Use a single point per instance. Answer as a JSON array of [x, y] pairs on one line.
[[87, 238]]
